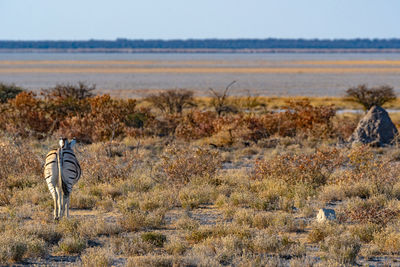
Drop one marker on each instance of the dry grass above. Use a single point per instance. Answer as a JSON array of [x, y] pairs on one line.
[[187, 203]]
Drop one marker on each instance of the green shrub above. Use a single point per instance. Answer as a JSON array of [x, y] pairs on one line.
[[72, 245], [156, 239]]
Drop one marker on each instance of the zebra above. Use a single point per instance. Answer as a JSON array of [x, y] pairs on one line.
[[60, 183]]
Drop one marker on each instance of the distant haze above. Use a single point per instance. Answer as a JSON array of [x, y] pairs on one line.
[[135, 74], [183, 19]]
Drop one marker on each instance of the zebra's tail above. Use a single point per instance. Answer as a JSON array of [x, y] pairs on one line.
[[60, 180]]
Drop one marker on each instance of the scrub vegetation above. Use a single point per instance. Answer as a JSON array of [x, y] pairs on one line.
[[172, 181]]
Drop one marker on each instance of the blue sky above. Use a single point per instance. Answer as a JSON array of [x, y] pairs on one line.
[[184, 19]]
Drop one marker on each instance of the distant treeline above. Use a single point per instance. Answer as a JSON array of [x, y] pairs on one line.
[[210, 44]]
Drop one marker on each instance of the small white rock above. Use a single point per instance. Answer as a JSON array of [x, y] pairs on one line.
[[326, 214]]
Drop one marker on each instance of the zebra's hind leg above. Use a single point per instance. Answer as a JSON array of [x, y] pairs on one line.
[[55, 198], [59, 203], [65, 205], [54, 194], [67, 208]]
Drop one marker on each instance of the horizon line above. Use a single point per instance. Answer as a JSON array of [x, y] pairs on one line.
[[197, 39]]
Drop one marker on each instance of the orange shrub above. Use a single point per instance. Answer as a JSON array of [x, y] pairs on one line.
[[80, 127], [376, 171], [254, 128], [310, 120], [344, 126], [106, 120], [109, 116], [163, 126], [196, 124], [370, 211], [25, 115], [299, 118]]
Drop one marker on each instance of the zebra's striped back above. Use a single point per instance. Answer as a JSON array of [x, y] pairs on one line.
[[71, 170]]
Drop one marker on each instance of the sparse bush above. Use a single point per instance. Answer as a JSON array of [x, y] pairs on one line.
[[192, 197], [92, 228], [82, 201], [319, 232], [131, 246], [217, 231], [12, 249], [172, 101], [180, 165], [46, 232], [69, 226], [96, 257], [186, 223], [343, 126], [271, 243], [175, 246], [20, 168], [220, 101], [370, 211], [67, 100], [369, 97], [310, 120], [262, 221], [25, 116], [242, 215], [197, 124], [342, 248], [136, 220], [78, 92], [388, 241], [365, 232], [100, 167], [285, 222], [368, 173], [152, 260], [105, 120], [156, 239], [312, 169], [72, 245], [9, 91], [332, 193]]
